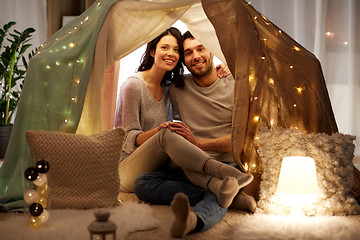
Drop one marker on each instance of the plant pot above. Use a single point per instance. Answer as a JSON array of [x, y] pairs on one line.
[[5, 132]]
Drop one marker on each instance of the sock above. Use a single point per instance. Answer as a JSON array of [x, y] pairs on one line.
[[225, 190], [244, 202], [185, 220], [221, 170]]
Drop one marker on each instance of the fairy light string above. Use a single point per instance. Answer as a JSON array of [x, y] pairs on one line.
[[264, 71], [58, 49]]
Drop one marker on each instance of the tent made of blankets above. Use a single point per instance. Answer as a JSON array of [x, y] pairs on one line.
[[71, 83]]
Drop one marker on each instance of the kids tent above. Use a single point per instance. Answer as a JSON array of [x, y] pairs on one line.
[[71, 82]]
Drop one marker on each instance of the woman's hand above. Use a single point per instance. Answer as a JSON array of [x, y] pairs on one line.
[[222, 70], [143, 137], [162, 125]]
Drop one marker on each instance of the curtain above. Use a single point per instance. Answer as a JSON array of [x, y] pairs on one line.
[[331, 30], [26, 13]]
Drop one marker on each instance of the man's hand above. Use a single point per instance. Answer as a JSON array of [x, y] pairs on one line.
[[220, 144], [222, 70], [183, 130]]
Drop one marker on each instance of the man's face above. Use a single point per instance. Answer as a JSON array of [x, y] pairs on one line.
[[197, 58]]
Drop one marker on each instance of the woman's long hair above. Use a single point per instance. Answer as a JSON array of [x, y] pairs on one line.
[[174, 76]]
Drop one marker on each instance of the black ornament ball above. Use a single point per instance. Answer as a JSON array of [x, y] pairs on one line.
[[42, 166], [36, 209], [31, 174]]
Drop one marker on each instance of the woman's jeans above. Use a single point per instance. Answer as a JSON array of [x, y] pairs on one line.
[[160, 188]]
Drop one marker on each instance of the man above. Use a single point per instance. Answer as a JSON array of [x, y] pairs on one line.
[[204, 107]]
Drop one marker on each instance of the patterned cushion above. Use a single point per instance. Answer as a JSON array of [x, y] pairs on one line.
[[333, 155], [83, 169]]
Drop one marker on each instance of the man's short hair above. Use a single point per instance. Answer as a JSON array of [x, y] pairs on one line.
[[187, 35]]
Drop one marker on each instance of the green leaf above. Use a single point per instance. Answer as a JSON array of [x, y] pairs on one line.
[[24, 48], [16, 37], [9, 25]]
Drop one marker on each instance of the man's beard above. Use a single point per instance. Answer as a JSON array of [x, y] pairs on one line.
[[203, 73]]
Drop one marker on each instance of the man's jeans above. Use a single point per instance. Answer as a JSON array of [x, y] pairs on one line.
[[160, 188]]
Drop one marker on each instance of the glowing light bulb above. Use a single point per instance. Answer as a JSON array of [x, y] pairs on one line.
[[57, 63], [246, 166], [329, 34], [77, 81], [255, 98], [66, 120], [295, 105], [299, 89], [346, 43], [296, 48], [256, 118], [255, 17], [71, 45], [291, 66], [263, 58], [48, 67], [280, 31], [251, 77], [271, 81], [98, 4]]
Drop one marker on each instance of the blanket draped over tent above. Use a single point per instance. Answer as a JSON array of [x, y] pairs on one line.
[[278, 82]]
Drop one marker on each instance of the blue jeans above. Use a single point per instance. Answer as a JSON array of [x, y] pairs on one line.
[[160, 188]]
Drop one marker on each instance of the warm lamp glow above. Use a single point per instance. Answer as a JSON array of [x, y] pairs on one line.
[[297, 184]]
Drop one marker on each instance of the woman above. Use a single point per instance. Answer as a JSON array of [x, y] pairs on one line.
[[145, 111]]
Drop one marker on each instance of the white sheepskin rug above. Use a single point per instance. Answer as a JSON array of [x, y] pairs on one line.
[[72, 224], [269, 227]]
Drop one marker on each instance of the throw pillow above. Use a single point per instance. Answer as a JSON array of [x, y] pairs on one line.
[[333, 155], [83, 169]]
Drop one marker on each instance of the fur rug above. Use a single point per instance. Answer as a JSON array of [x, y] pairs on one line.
[[72, 224], [268, 227]]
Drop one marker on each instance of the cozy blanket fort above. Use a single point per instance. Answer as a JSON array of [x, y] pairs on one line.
[[281, 105]]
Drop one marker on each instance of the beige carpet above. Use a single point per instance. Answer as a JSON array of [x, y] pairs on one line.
[[221, 231], [243, 226], [150, 222], [239, 225]]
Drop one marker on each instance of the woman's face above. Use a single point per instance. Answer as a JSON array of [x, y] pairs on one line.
[[166, 54]]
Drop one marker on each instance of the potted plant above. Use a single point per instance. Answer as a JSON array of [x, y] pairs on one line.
[[13, 66]]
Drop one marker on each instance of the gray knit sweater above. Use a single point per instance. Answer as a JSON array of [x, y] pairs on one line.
[[138, 111]]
